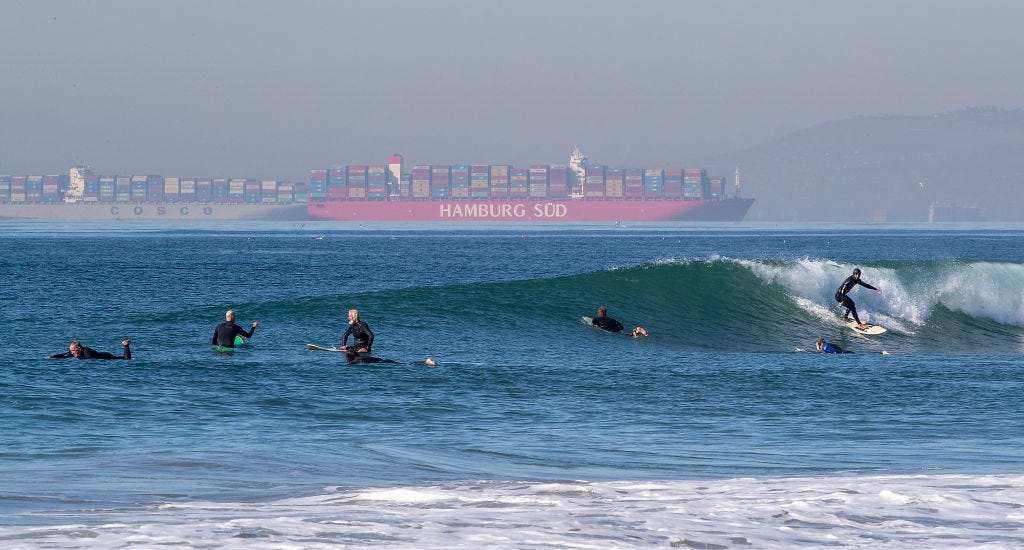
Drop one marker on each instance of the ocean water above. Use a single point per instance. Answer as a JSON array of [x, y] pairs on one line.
[[719, 430]]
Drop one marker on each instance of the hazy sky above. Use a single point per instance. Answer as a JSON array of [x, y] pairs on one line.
[[271, 89]]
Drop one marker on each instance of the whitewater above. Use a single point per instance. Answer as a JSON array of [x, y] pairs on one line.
[[719, 430]]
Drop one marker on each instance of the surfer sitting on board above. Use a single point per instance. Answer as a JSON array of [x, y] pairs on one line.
[[224, 334], [362, 336], [78, 351], [845, 301], [604, 322]]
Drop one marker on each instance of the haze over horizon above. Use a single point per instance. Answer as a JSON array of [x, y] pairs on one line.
[[272, 89]]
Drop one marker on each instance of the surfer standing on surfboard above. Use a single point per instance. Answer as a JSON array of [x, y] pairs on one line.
[[845, 301]]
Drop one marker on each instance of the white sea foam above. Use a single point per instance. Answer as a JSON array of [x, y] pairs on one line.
[[980, 289], [926, 511]]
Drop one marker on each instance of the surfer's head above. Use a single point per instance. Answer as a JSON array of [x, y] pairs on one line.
[[353, 315], [856, 271], [819, 343], [602, 311], [229, 316]]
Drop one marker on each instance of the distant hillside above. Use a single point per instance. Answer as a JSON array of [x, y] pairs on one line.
[[887, 168]]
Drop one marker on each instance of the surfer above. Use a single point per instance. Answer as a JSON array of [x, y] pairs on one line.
[[362, 336], [78, 351], [224, 334], [604, 322], [845, 301], [826, 347]]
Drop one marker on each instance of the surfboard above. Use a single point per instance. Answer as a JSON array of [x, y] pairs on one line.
[[239, 341], [872, 329], [222, 349], [589, 321], [314, 347]]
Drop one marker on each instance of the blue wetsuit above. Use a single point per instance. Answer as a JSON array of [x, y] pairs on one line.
[[830, 348]]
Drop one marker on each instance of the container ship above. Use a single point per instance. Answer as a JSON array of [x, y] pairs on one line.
[[83, 195], [573, 192]]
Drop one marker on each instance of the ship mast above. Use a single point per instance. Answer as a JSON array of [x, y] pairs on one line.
[[736, 181], [578, 165]]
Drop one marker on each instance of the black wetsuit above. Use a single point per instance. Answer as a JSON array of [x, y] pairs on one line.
[[607, 323], [362, 336], [89, 353], [845, 300], [360, 359], [224, 334]]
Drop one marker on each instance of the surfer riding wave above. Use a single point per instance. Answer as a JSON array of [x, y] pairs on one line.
[[845, 301]]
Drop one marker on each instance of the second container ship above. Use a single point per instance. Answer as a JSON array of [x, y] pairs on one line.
[[574, 192]]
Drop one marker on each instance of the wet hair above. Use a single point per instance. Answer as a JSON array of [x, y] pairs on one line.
[[602, 310], [856, 271]]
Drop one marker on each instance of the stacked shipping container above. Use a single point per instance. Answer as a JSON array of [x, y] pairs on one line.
[[440, 182], [594, 186], [377, 182], [693, 183], [153, 189], [479, 181], [500, 181], [421, 182], [542, 181], [460, 181]]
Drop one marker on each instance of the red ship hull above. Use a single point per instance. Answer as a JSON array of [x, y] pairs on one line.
[[530, 210]]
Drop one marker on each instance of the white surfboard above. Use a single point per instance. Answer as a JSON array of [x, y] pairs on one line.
[[872, 329], [587, 320], [314, 347]]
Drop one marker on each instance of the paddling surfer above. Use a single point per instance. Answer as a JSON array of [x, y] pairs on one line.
[[826, 347], [604, 322], [78, 351]]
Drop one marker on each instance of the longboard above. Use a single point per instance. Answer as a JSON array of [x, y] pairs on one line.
[[314, 347], [872, 329]]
